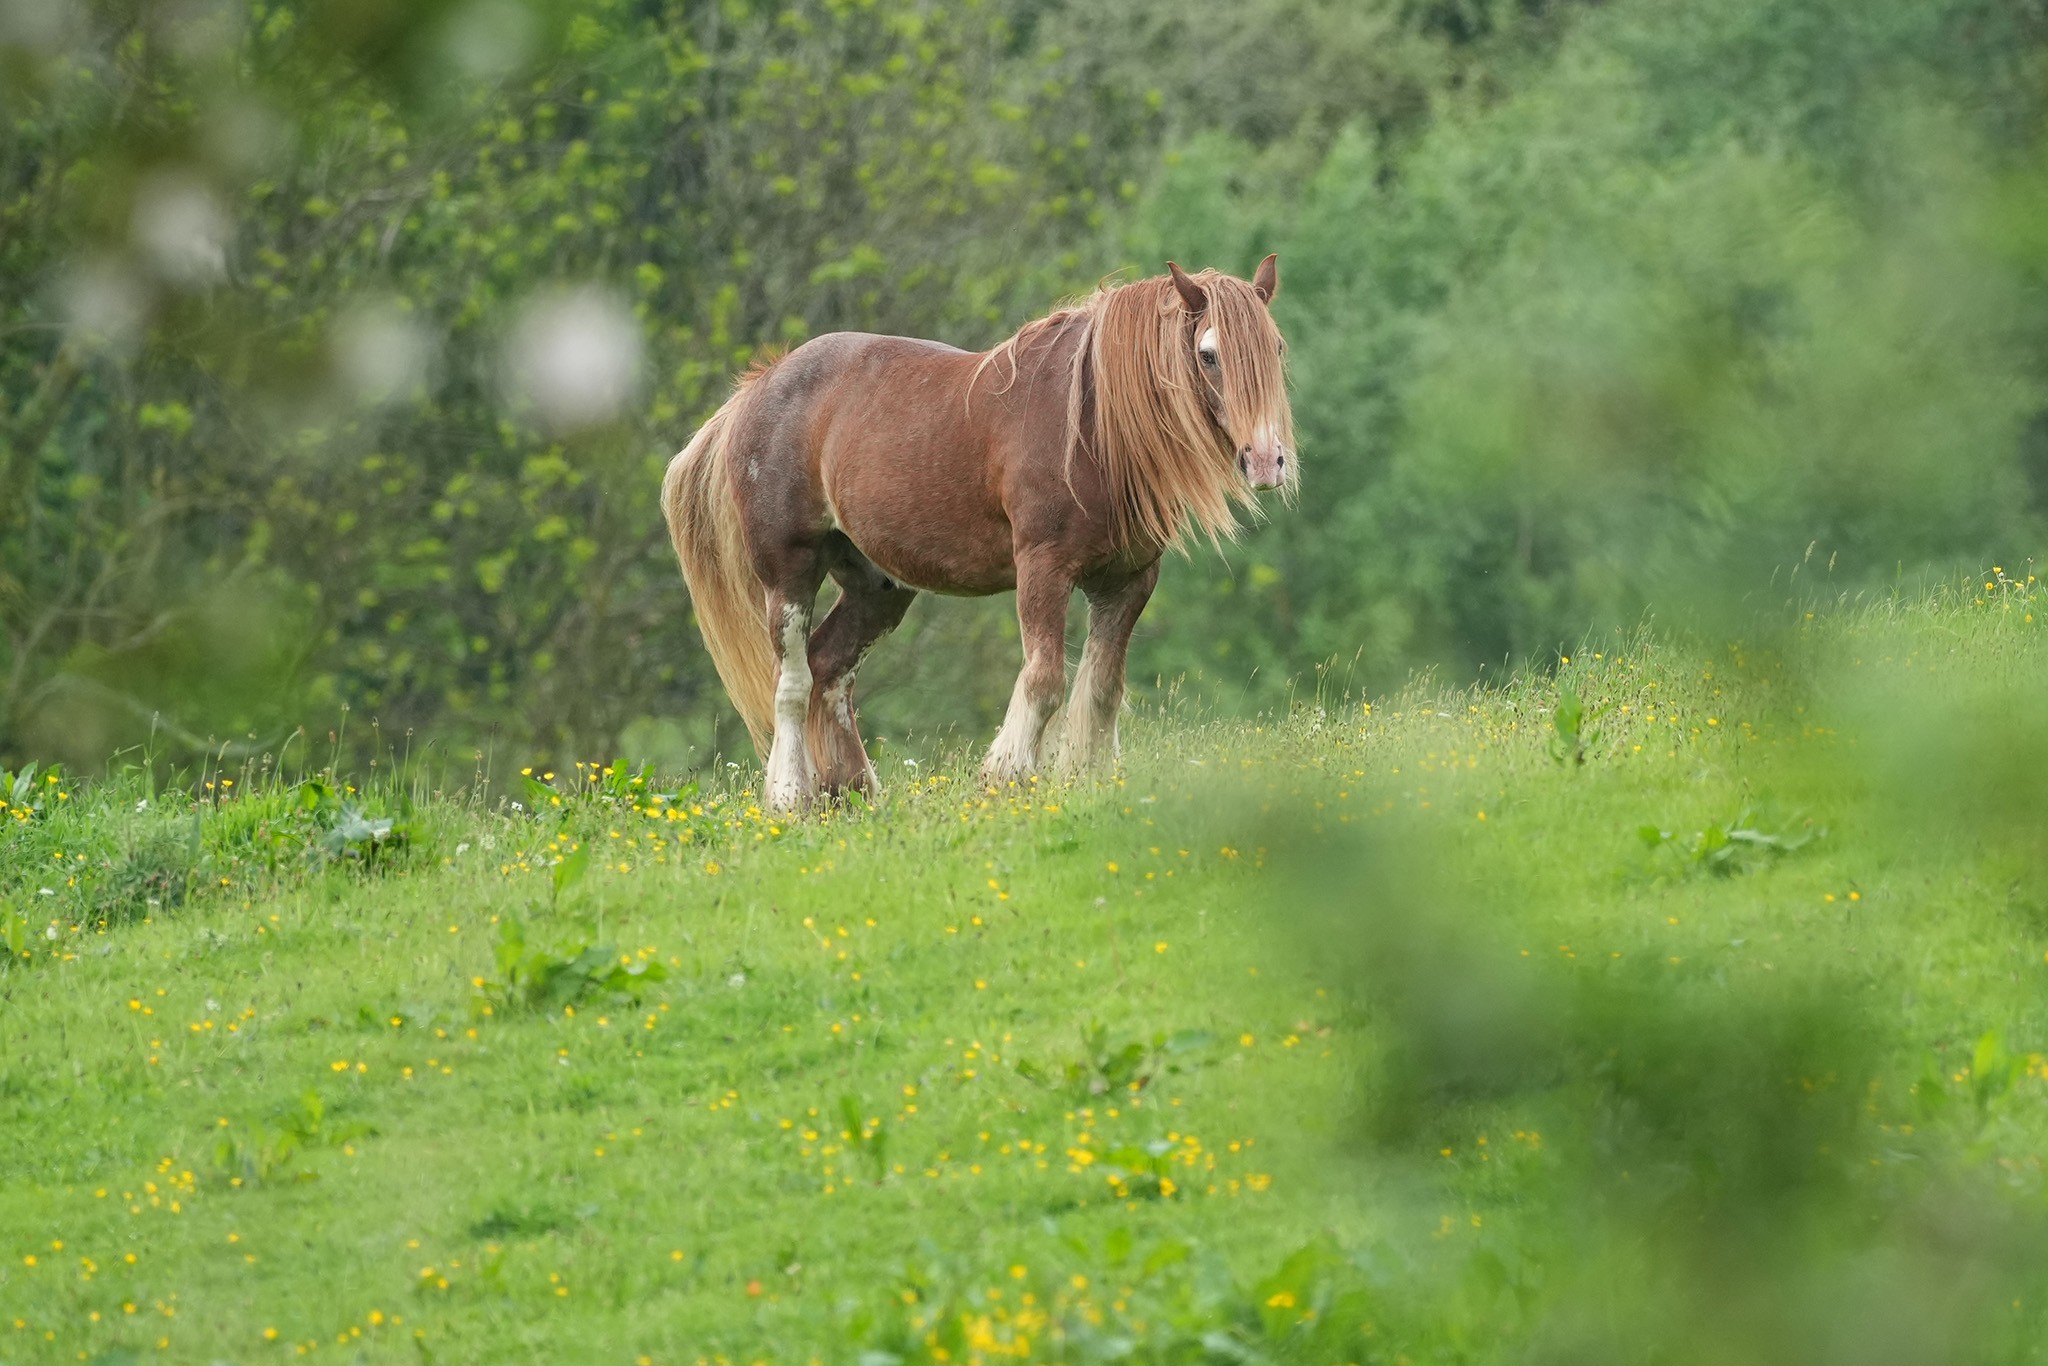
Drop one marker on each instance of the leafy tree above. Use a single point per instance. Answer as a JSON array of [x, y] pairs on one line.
[[1725, 298], [328, 391]]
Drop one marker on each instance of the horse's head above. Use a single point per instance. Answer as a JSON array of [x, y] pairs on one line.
[[1239, 359]]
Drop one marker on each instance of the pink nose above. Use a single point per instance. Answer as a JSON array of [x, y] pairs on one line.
[[1263, 466]]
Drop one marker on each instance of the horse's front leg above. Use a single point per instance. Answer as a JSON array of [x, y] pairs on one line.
[[1113, 612], [1043, 588]]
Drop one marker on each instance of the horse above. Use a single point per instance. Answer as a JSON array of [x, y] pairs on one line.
[[1073, 455]]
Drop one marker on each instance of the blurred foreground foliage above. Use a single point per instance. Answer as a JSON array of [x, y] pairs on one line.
[[343, 344], [1666, 1134]]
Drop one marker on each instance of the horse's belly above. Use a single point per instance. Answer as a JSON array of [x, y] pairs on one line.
[[931, 534], [906, 470], [931, 550]]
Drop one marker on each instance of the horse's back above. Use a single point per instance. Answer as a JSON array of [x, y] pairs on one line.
[[835, 357], [863, 342]]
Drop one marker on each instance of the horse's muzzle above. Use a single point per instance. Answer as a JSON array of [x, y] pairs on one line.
[[1264, 467]]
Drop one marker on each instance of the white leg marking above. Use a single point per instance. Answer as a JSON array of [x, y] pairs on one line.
[[1075, 734], [1015, 752], [1090, 729], [839, 700], [790, 781]]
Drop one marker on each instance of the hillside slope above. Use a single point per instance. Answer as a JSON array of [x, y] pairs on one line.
[[1442, 1028]]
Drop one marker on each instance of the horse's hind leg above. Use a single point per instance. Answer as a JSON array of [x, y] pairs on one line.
[[786, 522], [790, 781], [1113, 613], [870, 606], [792, 568]]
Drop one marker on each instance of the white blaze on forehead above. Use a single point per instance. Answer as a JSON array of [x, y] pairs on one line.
[[1266, 438], [1208, 342]]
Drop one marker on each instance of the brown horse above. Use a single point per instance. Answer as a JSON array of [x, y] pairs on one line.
[[1070, 456]]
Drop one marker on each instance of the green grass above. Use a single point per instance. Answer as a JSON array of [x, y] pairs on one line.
[[1440, 1055]]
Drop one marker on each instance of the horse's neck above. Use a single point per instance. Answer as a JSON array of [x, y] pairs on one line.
[[1036, 364]]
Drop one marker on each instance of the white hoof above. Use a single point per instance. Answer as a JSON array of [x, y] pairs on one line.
[[784, 799], [1000, 769], [790, 783]]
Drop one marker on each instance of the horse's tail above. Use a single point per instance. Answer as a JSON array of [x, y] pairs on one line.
[[732, 607]]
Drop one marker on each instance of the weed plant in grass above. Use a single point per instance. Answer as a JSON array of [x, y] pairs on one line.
[[1368, 1033]]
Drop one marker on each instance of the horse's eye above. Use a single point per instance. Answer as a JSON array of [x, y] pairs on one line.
[[1209, 360]]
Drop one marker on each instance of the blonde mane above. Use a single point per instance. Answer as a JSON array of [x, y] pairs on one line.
[[1136, 401]]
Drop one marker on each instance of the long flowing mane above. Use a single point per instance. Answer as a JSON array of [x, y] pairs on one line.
[[1135, 401]]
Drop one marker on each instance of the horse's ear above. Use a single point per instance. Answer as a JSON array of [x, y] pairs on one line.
[[1267, 282], [1191, 294]]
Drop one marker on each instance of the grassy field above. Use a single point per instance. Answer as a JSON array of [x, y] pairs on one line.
[[1676, 1005]]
